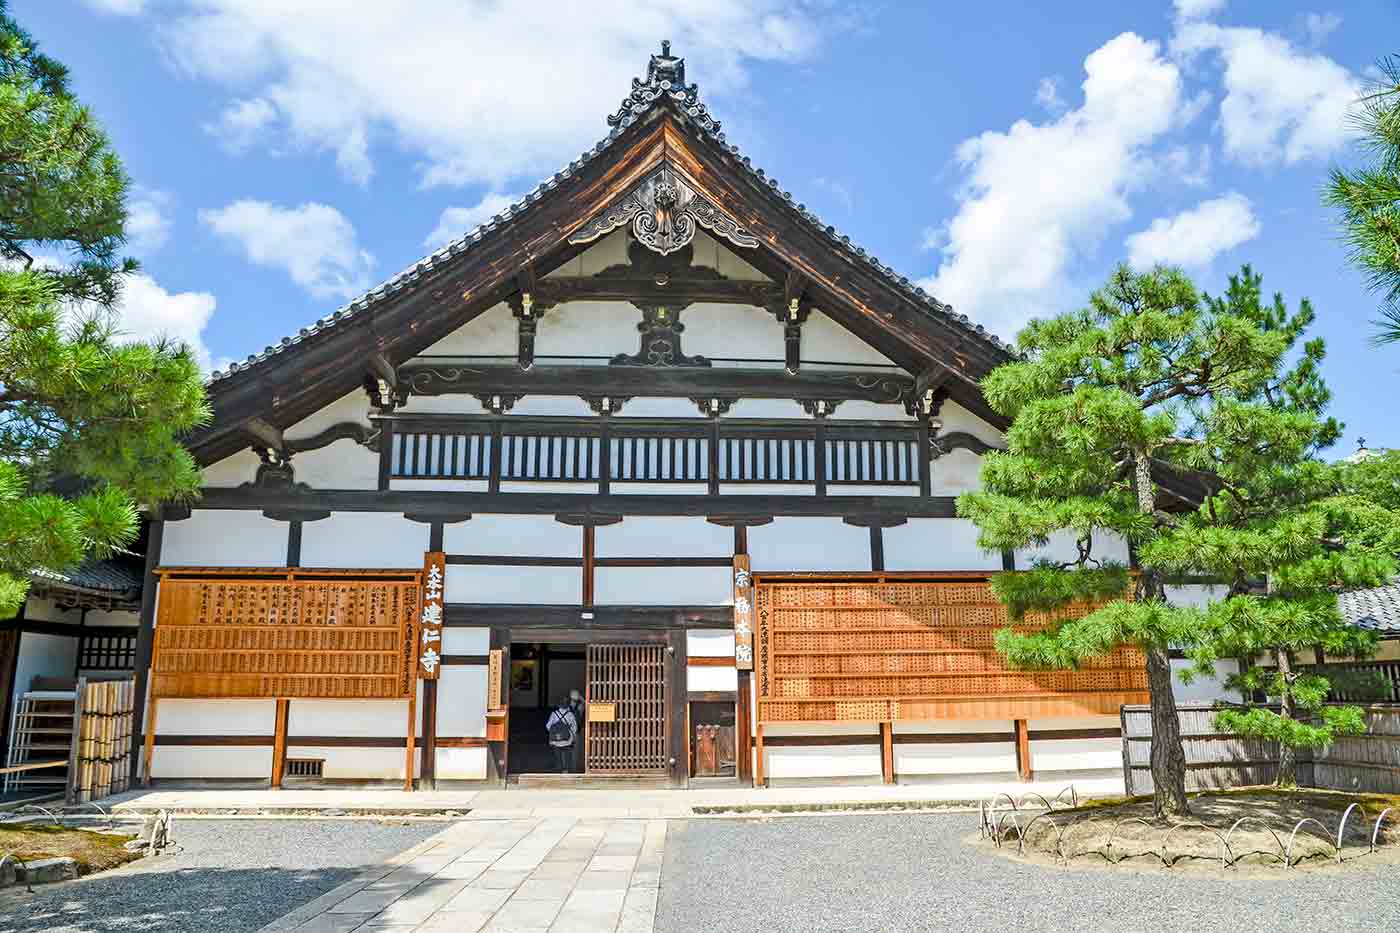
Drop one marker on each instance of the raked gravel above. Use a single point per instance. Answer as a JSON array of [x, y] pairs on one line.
[[229, 876], [917, 872]]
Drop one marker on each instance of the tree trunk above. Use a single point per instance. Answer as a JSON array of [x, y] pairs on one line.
[[1168, 759], [1287, 754]]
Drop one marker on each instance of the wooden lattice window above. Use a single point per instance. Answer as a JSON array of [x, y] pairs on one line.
[[107, 652]]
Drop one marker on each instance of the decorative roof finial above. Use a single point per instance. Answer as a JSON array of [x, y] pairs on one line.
[[665, 81], [665, 48], [666, 67]]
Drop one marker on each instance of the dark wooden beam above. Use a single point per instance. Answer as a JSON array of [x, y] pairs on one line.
[[559, 289], [266, 435], [145, 642], [603, 618]]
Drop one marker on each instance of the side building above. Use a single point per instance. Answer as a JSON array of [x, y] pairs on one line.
[[655, 434]]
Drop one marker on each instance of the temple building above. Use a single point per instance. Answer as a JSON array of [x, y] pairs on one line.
[[656, 434]]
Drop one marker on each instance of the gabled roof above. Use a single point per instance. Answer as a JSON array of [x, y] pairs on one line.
[[1377, 608], [665, 81]]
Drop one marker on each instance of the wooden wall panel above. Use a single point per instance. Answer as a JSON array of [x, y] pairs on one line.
[[887, 648], [285, 633]]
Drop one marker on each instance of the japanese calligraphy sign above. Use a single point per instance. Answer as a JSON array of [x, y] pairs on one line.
[[743, 613], [430, 617]]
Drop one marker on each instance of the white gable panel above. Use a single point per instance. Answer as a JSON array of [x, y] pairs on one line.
[[611, 250], [491, 333], [728, 331], [957, 418], [825, 340], [236, 470], [224, 538], [587, 328], [353, 407]]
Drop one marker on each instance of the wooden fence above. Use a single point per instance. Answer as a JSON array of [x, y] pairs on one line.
[[1214, 759]]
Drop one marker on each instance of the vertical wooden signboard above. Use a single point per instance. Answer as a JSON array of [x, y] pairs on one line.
[[430, 619], [743, 613]]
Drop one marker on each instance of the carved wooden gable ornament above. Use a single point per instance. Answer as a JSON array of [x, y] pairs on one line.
[[664, 211]]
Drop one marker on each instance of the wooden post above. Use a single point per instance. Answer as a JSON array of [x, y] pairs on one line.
[[428, 769], [150, 741], [145, 643], [743, 728], [279, 741], [759, 778], [1023, 750], [589, 563], [408, 758], [887, 752], [70, 793]]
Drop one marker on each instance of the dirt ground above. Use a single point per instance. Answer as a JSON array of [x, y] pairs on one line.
[[1250, 830], [94, 851]]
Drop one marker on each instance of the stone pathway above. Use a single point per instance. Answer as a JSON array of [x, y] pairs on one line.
[[557, 873]]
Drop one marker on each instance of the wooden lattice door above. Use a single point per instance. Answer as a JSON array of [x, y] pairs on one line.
[[626, 723]]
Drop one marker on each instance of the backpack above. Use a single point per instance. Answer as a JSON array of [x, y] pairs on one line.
[[561, 731]]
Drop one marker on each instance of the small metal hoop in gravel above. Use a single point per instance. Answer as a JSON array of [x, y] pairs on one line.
[[1288, 853]]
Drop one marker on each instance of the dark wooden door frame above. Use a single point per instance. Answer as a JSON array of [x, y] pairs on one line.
[[674, 638]]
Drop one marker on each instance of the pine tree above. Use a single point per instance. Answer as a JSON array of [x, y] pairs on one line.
[[1368, 198], [1149, 384], [89, 423]]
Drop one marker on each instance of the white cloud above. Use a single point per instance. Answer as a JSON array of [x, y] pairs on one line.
[[242, 123], [1047, 94], [1194, 237], [1318, 26], [1198, 9], [1281, 103], [119, 7], [146, 311], [1190, 166], [482, 92], [456, 221], [147, 222], [314, 243], [1039, 196]]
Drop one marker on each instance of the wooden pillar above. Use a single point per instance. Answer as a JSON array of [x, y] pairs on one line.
[[386, 451], [877, 547], [150, 742], [887, 752], [428, 768], [145, 644], [1023, 750], [759, 778], [497, 753], [279, 741], [743, 728], [410, 745], [589, 563]]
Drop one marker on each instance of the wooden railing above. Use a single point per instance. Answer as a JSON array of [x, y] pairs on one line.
[[709, 452]]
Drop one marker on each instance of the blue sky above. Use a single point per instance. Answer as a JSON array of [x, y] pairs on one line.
[[290, 155]]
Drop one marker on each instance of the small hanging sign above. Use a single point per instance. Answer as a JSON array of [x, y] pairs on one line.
[[430, 617], [743, 613]]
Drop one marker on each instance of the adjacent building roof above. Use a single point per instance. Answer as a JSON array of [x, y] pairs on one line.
[[117, 582], [1377, 608], [664, 84]]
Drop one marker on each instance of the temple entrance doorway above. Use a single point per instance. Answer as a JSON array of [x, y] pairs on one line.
[[541, 677]]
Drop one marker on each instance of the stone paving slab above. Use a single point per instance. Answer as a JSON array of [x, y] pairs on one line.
[[574, 874]]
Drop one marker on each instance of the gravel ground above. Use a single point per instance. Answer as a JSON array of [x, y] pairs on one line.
[[917, 872], [233, 876]]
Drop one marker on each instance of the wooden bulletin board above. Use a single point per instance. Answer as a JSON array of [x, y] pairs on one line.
[[285, 633], [892, 647]]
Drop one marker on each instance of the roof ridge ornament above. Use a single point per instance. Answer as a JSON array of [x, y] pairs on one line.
[[664, 211], [665, 80]]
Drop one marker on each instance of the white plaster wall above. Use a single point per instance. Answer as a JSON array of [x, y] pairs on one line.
[[709, 643], [663, 586], [43, 609], [712, 678], [491, 333], [957, 418], [1062, 755], [364, 539], [825, 340], [1204, 689], [235, 470], [809, 544], [533, 585], [363, 764], [461, 764], [823, 761], [439, 485], [1062, 547], [554, 406], [589, 328], [766, 408], [444, 404], [954, 473], [514, 535], [351, 718], [42, 656], [655, 407], [225, 538], [937, 544], [953, 758], [611, 250], [652, 489], [353, 406], [216, 717], [461, 709], [466, 640], [664, 537], [118, 617], [725, 330], [176, 762], [342, 465], [770, 489]]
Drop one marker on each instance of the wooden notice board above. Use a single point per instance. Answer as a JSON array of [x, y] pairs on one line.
[[285, 633], [892, 647]]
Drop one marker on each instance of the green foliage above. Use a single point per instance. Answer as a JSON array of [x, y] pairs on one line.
[[89, 424], [1154, 381], [1367, 198]]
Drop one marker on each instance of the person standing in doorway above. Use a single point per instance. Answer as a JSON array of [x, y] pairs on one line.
[[576, 704], [562, 729]]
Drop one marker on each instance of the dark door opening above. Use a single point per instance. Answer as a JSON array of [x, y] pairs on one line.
[[541, 677]]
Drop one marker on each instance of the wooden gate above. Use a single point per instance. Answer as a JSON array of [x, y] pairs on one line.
[[626, 719]]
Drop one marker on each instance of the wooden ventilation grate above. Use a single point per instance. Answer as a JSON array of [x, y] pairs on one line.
[[866, 650], [628, 684], [305, 767]]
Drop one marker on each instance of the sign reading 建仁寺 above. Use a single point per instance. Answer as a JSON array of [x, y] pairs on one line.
[[743, 613], [430, 618]]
